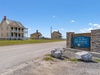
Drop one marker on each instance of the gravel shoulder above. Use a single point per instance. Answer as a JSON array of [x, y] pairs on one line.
[[56, 67]]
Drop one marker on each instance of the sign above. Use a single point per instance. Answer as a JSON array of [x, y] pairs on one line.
[[81, 41]]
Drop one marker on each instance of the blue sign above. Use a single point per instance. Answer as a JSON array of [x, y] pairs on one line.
[[81, 41]]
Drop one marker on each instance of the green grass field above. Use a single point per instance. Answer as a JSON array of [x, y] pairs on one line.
[[19, 42]]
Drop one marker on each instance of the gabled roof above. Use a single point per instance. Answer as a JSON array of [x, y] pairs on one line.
[[36, 33], [56, 32], [14, 23]]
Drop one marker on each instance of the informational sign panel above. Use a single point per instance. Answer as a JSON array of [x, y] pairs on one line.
[[81, 41]]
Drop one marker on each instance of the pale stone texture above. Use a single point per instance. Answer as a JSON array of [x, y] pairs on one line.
[[84, 55], [69, 39], [56, 53], [95, 40]]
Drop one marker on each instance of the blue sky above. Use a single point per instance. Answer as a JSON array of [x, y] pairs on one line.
[[63, 15]]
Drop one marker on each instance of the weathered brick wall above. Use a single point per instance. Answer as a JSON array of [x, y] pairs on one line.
[[95, 40], [69, 39]]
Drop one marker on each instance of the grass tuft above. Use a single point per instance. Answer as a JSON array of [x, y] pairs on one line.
[[48, 55], [97, 59], [48, 58], [73, 59]]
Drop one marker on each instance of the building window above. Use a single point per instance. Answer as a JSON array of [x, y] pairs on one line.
[[1, 34], [11, 34], [7, 27], [11, 28], [6, 34], [1, 28]]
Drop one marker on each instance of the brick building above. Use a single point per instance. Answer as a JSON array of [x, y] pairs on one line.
[[10, 29], [56, 35], [35, 35]]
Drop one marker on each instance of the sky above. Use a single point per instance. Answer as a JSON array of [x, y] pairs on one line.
[[77, 16]]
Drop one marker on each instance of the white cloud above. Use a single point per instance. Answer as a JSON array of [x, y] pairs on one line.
[[29, 29], [86, 30], [62, 29], [98, 26], [94, 26], [55, 30], [71, 31], [72, 21], [53, 16], [90, 23]]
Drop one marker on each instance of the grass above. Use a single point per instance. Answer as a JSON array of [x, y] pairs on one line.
[[19, 42], [48, 57], [72, 59], [97, 59]]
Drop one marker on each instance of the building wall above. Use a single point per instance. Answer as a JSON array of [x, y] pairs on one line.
[[55, 35], [69, 39], [95, 40], [35, 36], [5, 30]]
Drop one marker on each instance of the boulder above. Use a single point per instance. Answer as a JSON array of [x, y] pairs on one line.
[[84, 55], [60, 49], [56, 53]]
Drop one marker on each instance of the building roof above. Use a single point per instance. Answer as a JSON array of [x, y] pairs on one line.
[[14, 23], [57, 32], [36, 33]]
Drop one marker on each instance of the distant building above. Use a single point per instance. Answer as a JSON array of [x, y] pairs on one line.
[[36, 35], [10, 29], [56, 35]]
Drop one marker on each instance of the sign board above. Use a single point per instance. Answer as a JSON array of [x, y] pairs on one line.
[[81, 41]]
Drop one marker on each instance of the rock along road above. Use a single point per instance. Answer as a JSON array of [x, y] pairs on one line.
[[11, 56]]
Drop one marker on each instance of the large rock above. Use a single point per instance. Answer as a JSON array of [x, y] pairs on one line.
[[84, 55], [56, 53]]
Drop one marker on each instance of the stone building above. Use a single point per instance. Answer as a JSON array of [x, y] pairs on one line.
[[10, 29], [35, 35], [56, 35]]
